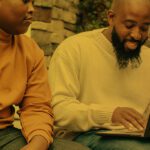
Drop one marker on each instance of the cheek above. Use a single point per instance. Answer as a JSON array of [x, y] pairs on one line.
[[20, 14], [145, 36], [122, 33], [19, 11]]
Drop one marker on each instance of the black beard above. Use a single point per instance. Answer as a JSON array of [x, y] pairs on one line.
[[125, 56]]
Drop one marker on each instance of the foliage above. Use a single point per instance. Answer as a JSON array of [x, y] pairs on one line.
[[92, 14]]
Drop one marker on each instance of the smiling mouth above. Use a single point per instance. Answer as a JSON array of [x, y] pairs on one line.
[[131, 45], [28, 20]]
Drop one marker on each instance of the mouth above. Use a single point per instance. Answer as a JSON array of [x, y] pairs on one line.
[[28, 20], [132, 45]]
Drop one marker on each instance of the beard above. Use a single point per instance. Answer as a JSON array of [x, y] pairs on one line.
[[126, 56]]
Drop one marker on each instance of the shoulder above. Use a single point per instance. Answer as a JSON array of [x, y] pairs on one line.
[[145, 52], [77, 42], [145, 49], [83, 36]]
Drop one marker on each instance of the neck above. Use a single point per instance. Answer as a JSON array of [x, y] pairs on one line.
[[5, 37]]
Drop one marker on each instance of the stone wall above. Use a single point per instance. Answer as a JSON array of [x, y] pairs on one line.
[[54, 20]]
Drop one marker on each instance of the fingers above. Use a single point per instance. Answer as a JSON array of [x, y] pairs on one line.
[[125, 123], [129, 118], [136, 119], [129, 122]]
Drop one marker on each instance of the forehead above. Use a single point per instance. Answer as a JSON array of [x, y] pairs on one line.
[[139, 11]]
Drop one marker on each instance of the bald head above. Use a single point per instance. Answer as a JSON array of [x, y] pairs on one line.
[[118, 4], [129, 22]]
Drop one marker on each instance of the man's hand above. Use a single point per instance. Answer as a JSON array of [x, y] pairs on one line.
[[129, 118], [37, 143]]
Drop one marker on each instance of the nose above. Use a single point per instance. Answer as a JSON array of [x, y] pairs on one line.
[[136, 34], [30, 7]]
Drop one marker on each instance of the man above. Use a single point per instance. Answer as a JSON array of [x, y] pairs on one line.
[[24, 82], [102, 77]]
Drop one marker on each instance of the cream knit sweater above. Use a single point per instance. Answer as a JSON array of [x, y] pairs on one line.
[[87, 84]]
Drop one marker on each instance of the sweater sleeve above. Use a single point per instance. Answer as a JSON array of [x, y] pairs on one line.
[[70, 113], [35, 111]]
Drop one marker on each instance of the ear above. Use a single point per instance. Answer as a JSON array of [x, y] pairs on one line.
[[110, 16]]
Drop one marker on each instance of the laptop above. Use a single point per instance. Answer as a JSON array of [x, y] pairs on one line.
[[114, 130]]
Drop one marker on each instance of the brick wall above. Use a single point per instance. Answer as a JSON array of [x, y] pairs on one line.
[[54, 20]]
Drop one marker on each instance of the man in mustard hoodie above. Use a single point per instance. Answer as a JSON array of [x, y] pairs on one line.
[[101, 78], [23, 82]]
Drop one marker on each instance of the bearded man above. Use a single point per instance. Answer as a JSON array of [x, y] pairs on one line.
[[102, 77]]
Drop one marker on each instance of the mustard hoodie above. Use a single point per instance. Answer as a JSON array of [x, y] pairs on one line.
[[23, 82]]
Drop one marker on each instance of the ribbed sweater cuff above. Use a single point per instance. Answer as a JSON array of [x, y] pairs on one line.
[[41, 133], [102, 115]]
